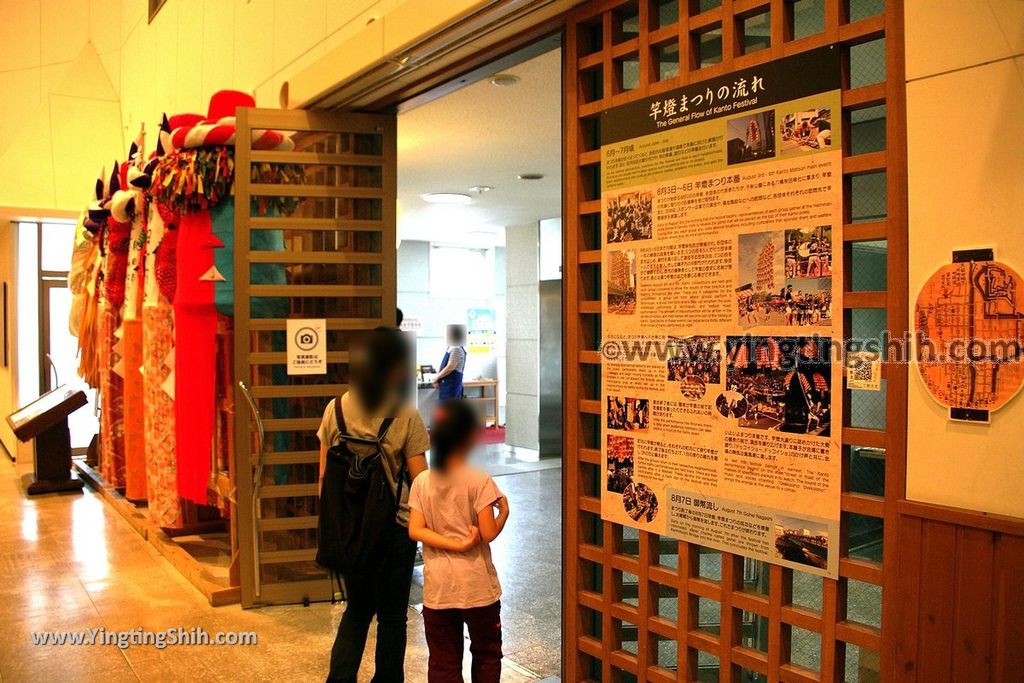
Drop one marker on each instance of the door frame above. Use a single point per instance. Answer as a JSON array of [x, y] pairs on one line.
[[48, 279], [46, 283]]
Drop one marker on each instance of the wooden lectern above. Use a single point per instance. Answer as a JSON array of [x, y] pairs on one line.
[[46, 421]]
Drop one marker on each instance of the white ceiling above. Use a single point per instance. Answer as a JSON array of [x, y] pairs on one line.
[[483, 134]]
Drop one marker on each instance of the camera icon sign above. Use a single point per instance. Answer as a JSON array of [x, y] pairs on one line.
[[306, 338]]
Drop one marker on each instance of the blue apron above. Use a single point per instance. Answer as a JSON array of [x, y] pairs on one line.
[[450, 386]]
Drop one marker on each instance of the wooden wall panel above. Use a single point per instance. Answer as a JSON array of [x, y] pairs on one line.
[[1008, 608], [960, 596]]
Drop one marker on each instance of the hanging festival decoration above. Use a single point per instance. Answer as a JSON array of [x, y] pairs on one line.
[[116, 243], [83, 279], [164, 503], [134, 201], [152, 303]]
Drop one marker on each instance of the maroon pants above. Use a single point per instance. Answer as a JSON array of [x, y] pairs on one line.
[[444, 639]]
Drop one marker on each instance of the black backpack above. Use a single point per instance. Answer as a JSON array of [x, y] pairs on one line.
[[357, 505]]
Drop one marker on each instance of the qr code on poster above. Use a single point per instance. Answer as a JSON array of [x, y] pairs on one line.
[[862, 369]]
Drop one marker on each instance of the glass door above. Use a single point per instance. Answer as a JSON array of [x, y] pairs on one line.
[[49, 347], [60, 364]]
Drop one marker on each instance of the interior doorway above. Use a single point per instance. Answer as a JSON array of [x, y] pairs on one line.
[[44, 307], [480, 246]]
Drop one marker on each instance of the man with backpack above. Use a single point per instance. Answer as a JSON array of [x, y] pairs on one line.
[[372, 445]]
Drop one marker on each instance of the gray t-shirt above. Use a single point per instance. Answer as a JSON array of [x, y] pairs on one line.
[[450, 504], [457, 355], [406, 437]]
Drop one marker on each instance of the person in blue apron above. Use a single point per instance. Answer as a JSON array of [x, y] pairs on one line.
[[453, 365]]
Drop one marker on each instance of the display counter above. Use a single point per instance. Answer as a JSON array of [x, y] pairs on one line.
[[481, 392]]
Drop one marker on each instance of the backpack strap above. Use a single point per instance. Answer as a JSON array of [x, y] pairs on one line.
[[402, 475], [381, 433], [339, 416], [384, 427]]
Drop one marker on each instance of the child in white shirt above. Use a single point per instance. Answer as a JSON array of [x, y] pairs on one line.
[[456, 511]]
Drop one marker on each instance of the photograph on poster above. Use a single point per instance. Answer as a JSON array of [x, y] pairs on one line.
[[806, 303], [640, 502], [750, 137], [774, 286], [692, 388], [801, 540], [620, 463], [621, 282], [695, 357], [731, 404], [629, 414], [762, 279], [630, 217], [809, 252], [806, 131], [784, 383]]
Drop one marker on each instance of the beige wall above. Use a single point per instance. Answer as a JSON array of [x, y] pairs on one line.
[[965, 105], [64, 62]]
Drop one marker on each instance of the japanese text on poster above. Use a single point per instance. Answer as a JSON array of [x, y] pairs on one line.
[[721, 207]]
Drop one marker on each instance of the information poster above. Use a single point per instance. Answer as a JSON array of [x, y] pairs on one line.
[[722, 221], [481, 330]]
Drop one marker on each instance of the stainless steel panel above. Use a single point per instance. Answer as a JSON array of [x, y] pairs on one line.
[[550, 368]]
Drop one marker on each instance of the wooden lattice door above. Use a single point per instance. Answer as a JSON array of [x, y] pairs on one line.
[[314, 239], [644, 607]]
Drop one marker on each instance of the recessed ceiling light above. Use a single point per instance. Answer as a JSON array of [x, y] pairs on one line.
[[446, 198], [530, 176], [504, 80], [480, 189]]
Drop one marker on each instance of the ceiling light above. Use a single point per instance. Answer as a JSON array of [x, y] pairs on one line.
[[480, 189], [446, 198], [530, 176], [504, 80]]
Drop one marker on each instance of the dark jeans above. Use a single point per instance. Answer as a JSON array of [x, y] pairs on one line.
[[385, 595], [444, 638]]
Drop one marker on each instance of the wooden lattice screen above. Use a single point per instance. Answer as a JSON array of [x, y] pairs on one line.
[[642, 607], [315, 239]]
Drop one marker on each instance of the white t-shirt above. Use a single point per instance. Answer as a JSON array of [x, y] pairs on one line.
[[450, 504], [406, 437]]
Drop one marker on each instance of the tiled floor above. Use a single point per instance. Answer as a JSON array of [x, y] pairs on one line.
[[69, 562]]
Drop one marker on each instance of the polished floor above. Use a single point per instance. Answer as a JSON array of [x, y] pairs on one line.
[[70, 563]]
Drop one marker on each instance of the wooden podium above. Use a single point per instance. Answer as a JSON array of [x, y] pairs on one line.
[[46, 421]]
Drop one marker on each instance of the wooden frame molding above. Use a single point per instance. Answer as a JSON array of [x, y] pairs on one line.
[[613, 628]]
